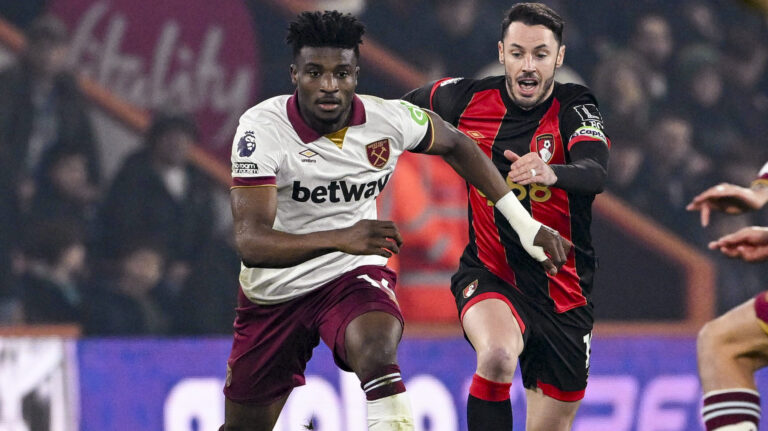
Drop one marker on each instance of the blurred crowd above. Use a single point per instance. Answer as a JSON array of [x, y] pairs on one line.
[[136, 255], [682, 85]]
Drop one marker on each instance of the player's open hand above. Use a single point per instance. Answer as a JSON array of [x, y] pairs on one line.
[[555, 246], [749, 244], [728, 198], [529, 168], [370, 237]]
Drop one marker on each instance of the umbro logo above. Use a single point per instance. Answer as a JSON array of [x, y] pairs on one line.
[[474, 134], [308, 154]]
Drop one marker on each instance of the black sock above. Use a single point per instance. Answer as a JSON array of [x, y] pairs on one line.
[[489, 415], [488, 406]]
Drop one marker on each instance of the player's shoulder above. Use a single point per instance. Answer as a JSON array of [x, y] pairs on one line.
[[462, 85], [378, 108], [570, 93], [266, 112]]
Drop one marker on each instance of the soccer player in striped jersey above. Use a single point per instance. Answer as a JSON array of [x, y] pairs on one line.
[[306, 171], [548, 139], [734, 346]]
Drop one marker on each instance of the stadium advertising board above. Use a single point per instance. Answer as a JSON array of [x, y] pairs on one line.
[[643, 384], [192, 55], [38, 384]]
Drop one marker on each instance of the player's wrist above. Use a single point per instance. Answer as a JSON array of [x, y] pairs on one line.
[[522, 222]]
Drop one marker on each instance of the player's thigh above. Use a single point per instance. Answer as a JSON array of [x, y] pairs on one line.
[[490, 324], [545, 413], [489, 312], [737, 334], [363, 325], [250, 417]]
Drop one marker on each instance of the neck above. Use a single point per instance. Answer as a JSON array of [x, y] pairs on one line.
[[325, 128]]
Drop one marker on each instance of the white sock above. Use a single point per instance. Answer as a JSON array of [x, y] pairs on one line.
[[392, 413]]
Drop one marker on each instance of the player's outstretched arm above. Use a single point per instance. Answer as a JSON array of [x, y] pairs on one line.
[[466, 158], [730, 199], [749, 243], [259, 245]]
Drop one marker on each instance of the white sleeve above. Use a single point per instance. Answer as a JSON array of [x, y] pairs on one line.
[[256, 153], [414, 124], [763, 172]]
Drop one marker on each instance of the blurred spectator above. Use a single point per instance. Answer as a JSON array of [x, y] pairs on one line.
[[131, 301], [700, 94], [158, 193], [51, 291], [652, 43], [671, 174], [214, 282], [744, 62], [700, 24], [41, 108], [65, 191]]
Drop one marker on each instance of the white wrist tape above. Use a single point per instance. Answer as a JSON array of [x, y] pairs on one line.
[[522, 222]]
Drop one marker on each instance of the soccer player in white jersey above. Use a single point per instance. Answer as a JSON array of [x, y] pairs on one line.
[[306, 171], [734, 346]]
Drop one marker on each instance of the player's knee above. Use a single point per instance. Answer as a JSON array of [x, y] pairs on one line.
[[497, 362], [712, 337], [371, 353]]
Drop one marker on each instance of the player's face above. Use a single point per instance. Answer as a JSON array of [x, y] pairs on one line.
[[530, 54], [325, 80]]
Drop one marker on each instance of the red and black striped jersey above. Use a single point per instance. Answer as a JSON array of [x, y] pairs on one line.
[[483, 110]]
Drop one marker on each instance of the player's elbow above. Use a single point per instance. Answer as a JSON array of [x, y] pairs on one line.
[[601, 176]]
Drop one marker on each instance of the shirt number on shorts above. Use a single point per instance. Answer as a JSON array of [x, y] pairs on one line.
[[383, 285], [588, 344]]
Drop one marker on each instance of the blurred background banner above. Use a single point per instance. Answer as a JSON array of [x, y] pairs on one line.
[[635, 384], [194, 56]]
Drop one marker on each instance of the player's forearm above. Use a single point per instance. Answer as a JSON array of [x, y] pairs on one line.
[[476, 168], [587, 171], [269, 248]]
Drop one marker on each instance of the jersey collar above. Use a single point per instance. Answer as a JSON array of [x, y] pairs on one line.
[[306, 133]]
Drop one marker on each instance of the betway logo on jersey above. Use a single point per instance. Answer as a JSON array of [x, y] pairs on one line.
[[338, 191]]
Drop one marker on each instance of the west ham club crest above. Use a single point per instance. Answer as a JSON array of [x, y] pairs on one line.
[[378, 153]]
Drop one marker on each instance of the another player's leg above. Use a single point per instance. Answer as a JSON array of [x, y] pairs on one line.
[[496, 336], [730, 349], [548, 414], [244, 417], [371, 341]]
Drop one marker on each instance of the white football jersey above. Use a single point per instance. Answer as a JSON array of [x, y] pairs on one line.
[[323, 182]]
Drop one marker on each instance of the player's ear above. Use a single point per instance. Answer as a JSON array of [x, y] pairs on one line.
[[501, 52], [357, 73], [294, 72], [560, 56]]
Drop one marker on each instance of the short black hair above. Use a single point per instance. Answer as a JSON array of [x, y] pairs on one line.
[[329, 28], [165, 122], [534, 14]]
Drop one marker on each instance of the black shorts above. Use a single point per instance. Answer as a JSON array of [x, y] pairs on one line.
[[555, 355]]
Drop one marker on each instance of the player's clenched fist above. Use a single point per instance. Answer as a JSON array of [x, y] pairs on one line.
[[370, 237], [555, 246]]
